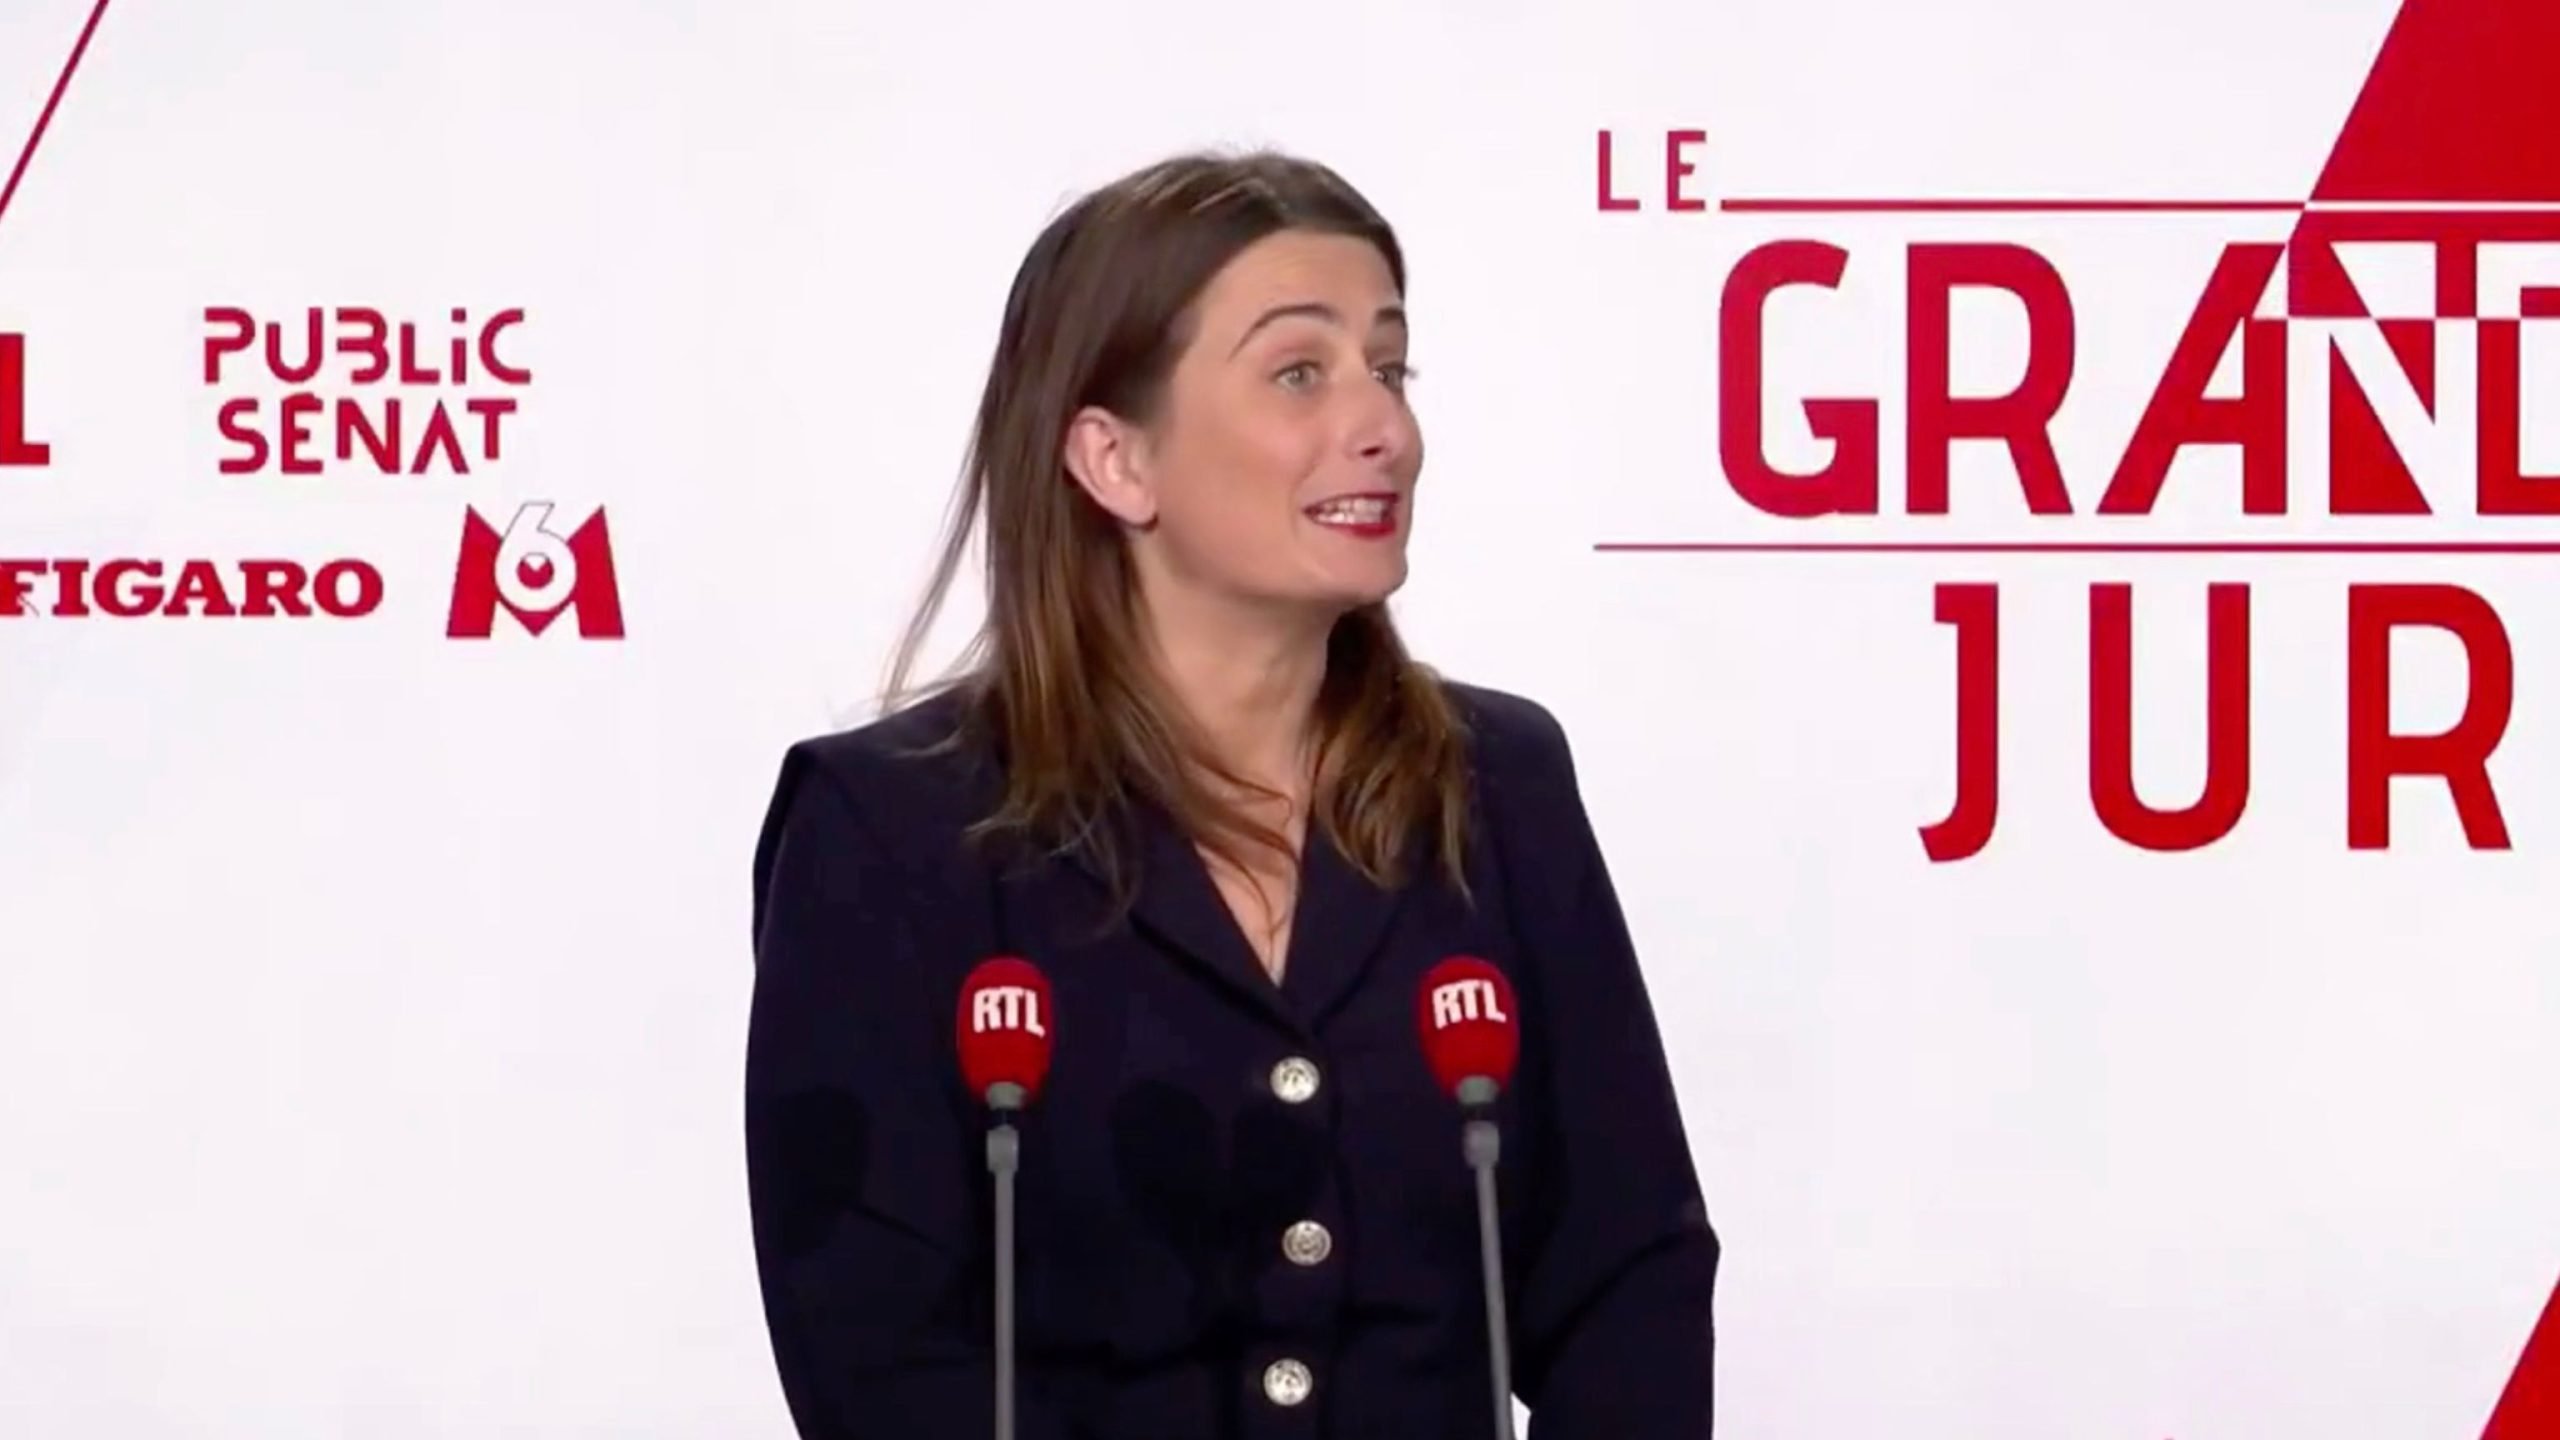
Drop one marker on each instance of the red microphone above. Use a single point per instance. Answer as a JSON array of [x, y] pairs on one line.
[[1004, 1031], [1005, 1038], [1469, 1030], [1471, 1036]]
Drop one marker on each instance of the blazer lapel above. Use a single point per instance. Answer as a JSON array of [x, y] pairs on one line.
[[1178, 906], [1342, 921]]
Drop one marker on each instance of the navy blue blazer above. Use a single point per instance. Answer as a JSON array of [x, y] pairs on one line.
[[1243, 1206]]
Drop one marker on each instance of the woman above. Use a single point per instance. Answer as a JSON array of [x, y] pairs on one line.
[[1191, 774]]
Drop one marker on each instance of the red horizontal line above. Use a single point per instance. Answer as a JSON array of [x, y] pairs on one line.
[[1773, 205], [2082, 547]]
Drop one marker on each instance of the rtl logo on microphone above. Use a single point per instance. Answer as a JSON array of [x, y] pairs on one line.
[[1468, 1001], [1465, 1010], [999, 1008], [2369, 377], [1002, 1028]]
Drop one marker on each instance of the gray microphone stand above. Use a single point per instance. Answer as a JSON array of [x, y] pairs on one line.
[[1004, 1160], [1484, 1151]]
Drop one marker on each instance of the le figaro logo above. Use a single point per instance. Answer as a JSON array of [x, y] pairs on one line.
[[2367, 380], [527, 571], [335, 395]]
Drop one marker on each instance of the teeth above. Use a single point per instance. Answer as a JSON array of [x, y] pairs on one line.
[[1362, 510]]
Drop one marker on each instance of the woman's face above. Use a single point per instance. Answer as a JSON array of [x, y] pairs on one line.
[[1280, 468]]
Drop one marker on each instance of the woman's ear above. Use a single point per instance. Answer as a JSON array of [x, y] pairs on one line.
[[1107, 456]]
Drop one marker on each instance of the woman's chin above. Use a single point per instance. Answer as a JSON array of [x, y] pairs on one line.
[[1368, 584]]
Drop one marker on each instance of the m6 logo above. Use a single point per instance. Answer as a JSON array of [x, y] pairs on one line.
[[1464, 1001], [16, 450], [1006, 1007], [535, 574]]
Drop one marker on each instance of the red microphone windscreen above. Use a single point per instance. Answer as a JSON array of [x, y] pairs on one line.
[[1468, 1022], [1004, 1026]]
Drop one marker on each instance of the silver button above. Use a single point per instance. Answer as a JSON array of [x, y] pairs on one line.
[[1295, 1079], [1306, 1243], [1287, 1382]]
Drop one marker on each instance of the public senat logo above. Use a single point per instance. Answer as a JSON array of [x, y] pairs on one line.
[[351, 388], [535, 573], [2390, 363]]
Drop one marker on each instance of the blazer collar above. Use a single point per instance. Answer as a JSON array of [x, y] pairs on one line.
[[1342, 920]]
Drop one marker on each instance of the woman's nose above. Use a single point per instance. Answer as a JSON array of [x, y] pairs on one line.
[[1383, 429]]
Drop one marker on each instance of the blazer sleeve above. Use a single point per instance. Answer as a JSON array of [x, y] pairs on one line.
[[866, 1170], [1614, 1311]]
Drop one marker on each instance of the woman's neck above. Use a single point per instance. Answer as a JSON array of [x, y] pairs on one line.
[[1249, 684]]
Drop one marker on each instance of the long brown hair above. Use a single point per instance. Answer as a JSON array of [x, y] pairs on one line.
[[1057, 676]]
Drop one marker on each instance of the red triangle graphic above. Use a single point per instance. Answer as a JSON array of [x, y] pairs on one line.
[[2530, 1410], [2462, 105], [52, 102]]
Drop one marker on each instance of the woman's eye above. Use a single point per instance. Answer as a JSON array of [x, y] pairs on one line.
[[1396, 374], [1298, 376]]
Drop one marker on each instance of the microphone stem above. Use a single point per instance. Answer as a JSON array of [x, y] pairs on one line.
[[1004, 1159], [1484, 1149]]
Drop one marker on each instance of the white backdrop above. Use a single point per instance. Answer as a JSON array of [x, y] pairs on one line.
[[372, 1004]]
